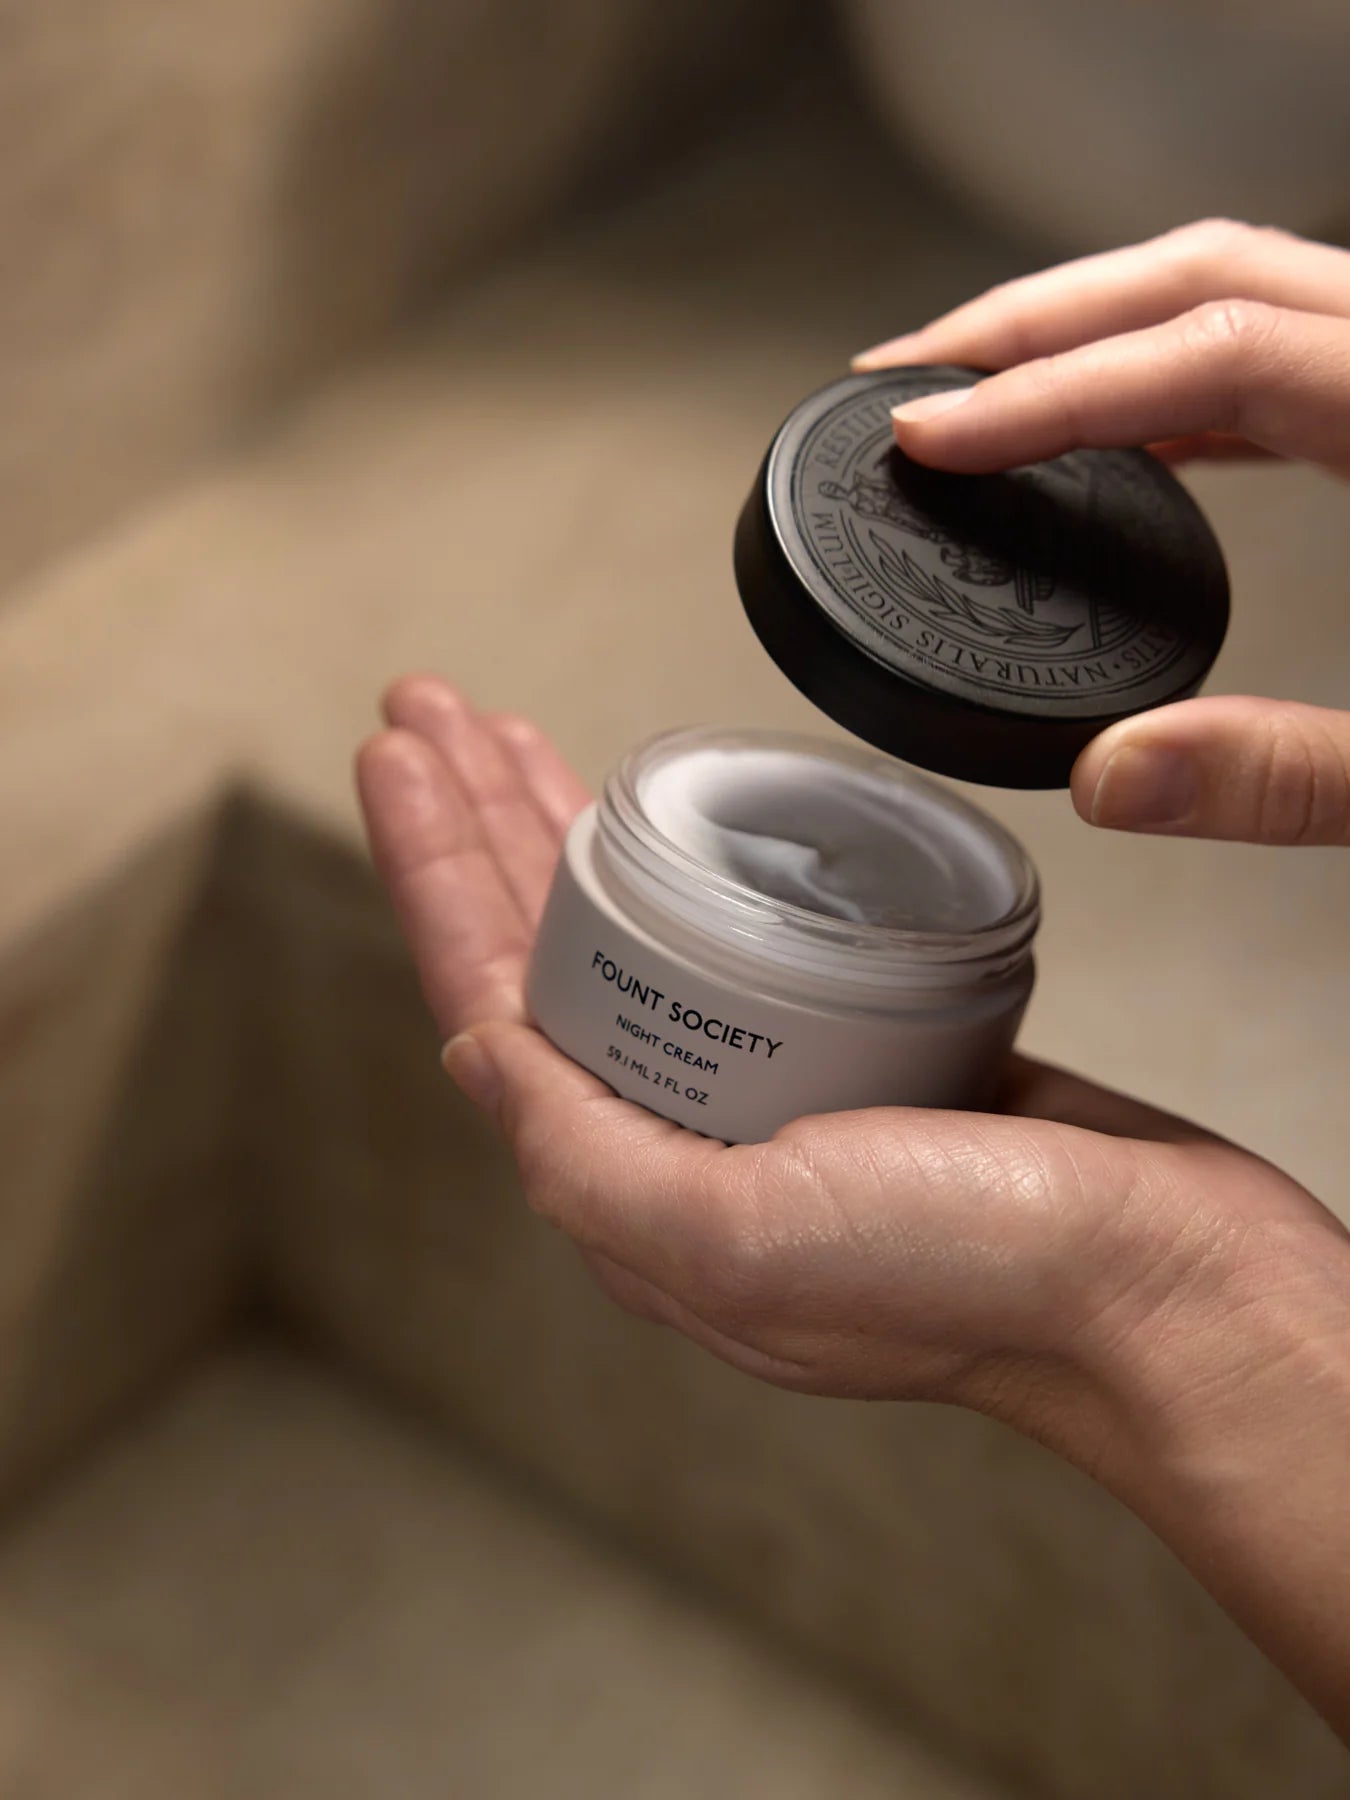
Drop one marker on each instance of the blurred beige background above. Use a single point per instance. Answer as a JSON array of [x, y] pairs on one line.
[[337, 340]]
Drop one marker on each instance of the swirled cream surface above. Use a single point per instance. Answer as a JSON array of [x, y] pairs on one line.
[[845, 842]]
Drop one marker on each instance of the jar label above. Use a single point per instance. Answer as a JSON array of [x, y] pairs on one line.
[[733, 1065]]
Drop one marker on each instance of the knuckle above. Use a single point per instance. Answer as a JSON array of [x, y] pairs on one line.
[[1212, 244], [1046, 375], [1265, 238], [1055, 383], [1004, 307], [1287, 798], [1233, 328], [1210, 256], [1230, 341]]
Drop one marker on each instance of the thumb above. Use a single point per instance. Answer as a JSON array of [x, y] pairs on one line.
[[1257, 771], [514, 1073]]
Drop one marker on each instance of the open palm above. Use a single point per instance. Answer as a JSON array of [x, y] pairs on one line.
[[887, 1252]]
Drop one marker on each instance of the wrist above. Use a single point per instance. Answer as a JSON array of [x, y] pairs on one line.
[[1220, 1414], [1215, 1300], [1235, 1336]]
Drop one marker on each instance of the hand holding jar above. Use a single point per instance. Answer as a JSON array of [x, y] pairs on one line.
[[1165, 1310]]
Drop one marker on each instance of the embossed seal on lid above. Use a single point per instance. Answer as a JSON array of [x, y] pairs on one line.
[[985, 626]]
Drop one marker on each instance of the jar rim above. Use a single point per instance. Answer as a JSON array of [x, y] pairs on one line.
[[713, 910]]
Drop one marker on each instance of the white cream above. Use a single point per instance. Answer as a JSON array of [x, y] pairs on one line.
[[845, 841]]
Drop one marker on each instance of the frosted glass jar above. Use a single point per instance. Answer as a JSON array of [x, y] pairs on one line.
[[750, 926]]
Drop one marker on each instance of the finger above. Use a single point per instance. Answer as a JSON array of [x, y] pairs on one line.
[[1126, 290], [555, 787], [513, 828], [617, 1179], [1258, 771], [1280, 379], [466, 932]]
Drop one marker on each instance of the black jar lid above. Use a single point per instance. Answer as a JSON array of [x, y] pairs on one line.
[[983, 626]]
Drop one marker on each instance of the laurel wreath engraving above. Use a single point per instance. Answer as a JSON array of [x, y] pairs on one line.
[[1005, 623]]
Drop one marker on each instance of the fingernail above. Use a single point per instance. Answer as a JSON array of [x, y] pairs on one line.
[[915, 412], [1144, 787], [472, 1070]]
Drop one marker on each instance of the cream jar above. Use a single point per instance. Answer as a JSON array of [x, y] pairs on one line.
[[751, 925]]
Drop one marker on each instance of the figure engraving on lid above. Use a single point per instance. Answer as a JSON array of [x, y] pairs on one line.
[[1053, 579], [874, 496]]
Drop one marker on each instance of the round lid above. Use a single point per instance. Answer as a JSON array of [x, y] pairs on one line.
[[984, 626]]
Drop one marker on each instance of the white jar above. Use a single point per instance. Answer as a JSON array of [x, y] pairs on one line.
[[750, 926]]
